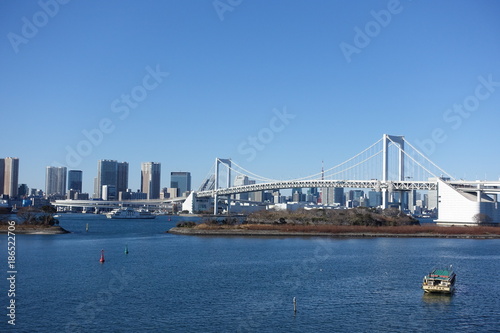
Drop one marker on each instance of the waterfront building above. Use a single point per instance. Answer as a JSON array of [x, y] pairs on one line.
[[297, 195], [432, 200], [9, 176], [332, 196], [111, 172], [374, 199], [326, 196], [122, 177], [257, 195], [23, 190], [312, 195], [338, 196], [164, 193], [75, 180], [36, 192], [173, 192], [357, 195], [276, 197], [109, 192], [150, 179], [267, 196], [55, 181], [107, 174], [181, 180], [412, 200], [241, 180], [466, 208], [81, 196]]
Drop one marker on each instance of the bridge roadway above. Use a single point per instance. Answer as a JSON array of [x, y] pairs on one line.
[[115, 204], [377, 185]]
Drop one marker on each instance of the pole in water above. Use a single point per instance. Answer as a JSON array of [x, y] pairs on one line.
[[126, 249], [102, 256], [294, 305], [87, 227]]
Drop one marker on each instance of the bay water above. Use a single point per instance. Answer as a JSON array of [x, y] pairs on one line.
[[174, 283]]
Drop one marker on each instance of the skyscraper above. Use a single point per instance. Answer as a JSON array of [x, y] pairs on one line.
[[122, 177], [180, 180], [338, 196], [9, 173], [75, 180], [107, 174], [55, 180], [150, 179], [241, 180]]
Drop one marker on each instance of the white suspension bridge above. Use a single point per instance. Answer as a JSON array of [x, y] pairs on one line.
[[390, 165]]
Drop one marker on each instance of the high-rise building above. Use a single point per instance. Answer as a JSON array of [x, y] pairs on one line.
[[332, 195], [357, 195], [113, 173], [374, 198], [241, 180], [107, 174], [257, 196], [181, 180], [122, 177], [338, 196], [109, 192], [75, 180], [9, 173], [55, 181], [150, 179], [23, 190]]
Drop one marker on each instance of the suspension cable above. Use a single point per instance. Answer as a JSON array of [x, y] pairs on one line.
[[444, 172], [355, 165]]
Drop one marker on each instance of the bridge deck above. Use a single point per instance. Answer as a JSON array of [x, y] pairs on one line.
[[374, 184]]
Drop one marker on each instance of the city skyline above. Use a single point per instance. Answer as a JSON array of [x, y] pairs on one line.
[[318, 86]]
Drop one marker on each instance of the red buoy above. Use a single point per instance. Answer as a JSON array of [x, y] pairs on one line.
[[102, 256]]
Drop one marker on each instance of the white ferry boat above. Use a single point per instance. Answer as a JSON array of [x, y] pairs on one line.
[[440, 281], [129, 213]]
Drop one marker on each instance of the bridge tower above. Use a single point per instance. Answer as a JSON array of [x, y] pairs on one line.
[[386, 140], [218, 162]]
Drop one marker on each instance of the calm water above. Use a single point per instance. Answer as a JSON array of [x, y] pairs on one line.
[[170, 283]]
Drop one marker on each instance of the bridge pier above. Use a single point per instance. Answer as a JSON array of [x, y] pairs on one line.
[[216, 204], [385, 201]]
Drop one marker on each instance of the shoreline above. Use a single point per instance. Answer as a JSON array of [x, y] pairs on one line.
[[34, 230], [367, 233]]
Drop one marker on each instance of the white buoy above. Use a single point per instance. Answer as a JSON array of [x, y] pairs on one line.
[[294, 305]]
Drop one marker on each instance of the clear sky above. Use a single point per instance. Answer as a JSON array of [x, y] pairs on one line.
[[183, 82]]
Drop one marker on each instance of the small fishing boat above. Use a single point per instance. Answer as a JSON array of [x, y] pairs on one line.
[[440, 281]]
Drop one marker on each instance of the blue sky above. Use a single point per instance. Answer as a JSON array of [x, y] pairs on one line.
[[203, 76]]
